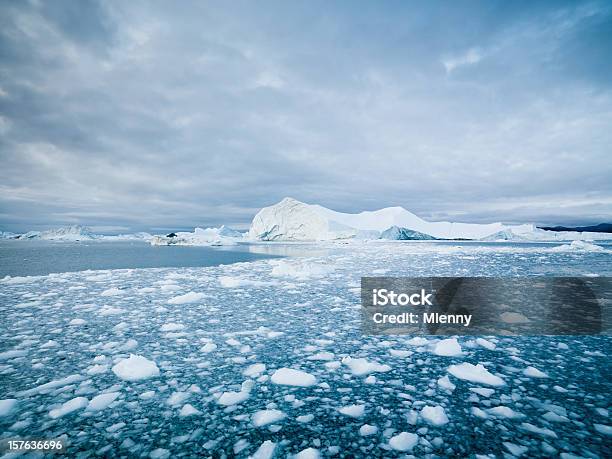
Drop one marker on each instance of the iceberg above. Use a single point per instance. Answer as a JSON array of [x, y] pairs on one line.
[[200, 236], [292, 220]]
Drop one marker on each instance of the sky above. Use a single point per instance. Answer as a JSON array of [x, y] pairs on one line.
[[157, 116]]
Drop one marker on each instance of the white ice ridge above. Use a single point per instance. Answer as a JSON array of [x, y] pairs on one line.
[[292, 220]]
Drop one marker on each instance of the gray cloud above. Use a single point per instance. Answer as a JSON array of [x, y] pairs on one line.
[[152, 115]]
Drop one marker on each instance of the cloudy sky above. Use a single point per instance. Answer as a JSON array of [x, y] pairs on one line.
[[167, 115]]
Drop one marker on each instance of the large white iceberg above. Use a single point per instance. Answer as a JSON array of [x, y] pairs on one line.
[[292, 220]]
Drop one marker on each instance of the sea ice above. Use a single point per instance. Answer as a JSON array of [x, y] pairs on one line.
[[265, 417], [291, 377], [102, 401], [363, 367], [404, 441], [135, 368], [434, 415], [265, 451], [354, 411], [475, 373], [534, 373], [187, 298], [74, 404], [448, 348], [366, 430]]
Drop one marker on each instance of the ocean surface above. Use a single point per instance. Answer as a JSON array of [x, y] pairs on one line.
[[36, 258], [246, 358]]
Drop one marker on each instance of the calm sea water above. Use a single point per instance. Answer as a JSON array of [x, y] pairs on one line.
[[35, 258]]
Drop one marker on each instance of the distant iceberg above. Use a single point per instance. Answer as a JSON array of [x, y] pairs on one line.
[[74, 233], [292, 220], [200, 236]]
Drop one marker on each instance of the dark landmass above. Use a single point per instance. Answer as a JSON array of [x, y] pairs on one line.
[[601, 228]]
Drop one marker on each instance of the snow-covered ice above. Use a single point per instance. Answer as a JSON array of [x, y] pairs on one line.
[[292, 377], [135, 368]]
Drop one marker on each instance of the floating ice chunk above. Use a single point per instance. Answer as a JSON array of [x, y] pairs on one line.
[[434, 415], [102, 401], [177, 398], [515, 450], [363, 367], [554, 417], [538, 430], [254, 370], [77, 322], [479, 413], [52, 385], [404, 441], [187, 298], [7, 355], [171, 326], [400, 353], [504, 412], [265, 451], [208, 347], [74, 404], [189, 410], [445, 383], [110, 311], [265, 417], [111, 292], [147, 395], [291, 377], [534, 373], [308, 453], [7, 406], [325, 356], [367, 429], [482, 391], [159, 453], [234, 398], [603, 429], [305, 418], [97, 370], [354, 411], [475, 373], [485, 343], [135, 368], [448, 348]]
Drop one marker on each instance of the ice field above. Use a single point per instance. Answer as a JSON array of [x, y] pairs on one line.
[[266, 359]]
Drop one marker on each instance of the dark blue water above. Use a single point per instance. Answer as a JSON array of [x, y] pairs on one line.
[[35, 258]]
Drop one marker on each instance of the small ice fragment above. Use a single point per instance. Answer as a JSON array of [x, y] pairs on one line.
[[363, 367], [74, 404], [187, 298], [434, 415], [404, 441], [189, 410], [367, 429], [533, 372], [291, 377], [100, 402], [475, 373], [265, 417], [7, 406], [354, 411], [448, 348], [265, 451], [135, 368]]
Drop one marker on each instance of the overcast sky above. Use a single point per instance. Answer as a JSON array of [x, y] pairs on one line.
[[124, 115]]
